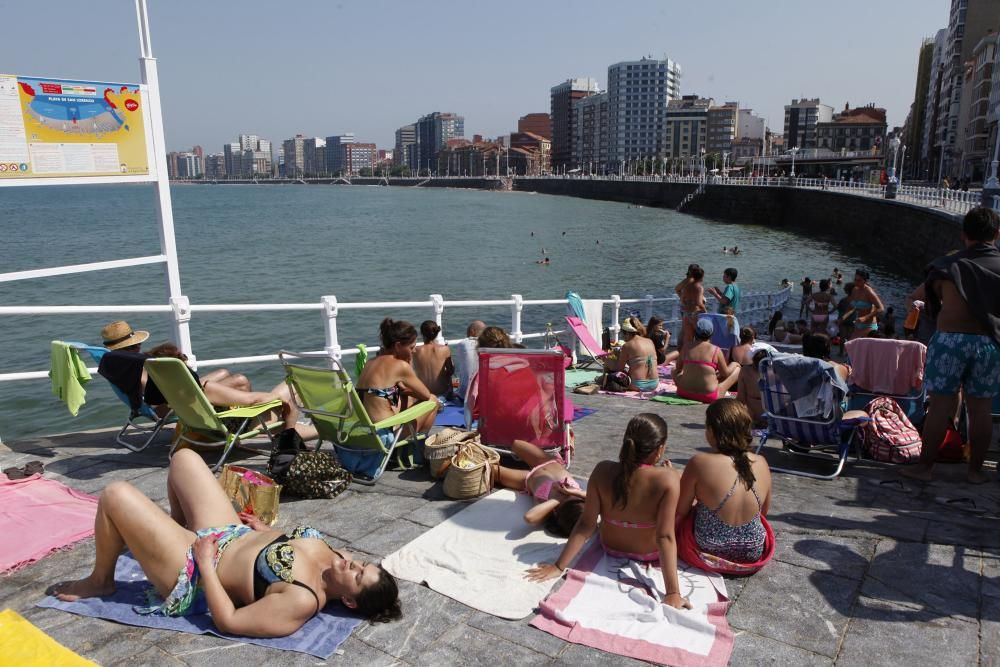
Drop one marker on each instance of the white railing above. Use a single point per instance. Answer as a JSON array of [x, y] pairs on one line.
[[755, 307]]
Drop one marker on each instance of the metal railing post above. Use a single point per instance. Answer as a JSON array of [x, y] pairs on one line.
[[438, 301], [616, 306], [515, 317], [330, 309], [649, 306], [182, 316]]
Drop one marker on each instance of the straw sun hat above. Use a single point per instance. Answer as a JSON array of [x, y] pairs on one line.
[[119, 334]]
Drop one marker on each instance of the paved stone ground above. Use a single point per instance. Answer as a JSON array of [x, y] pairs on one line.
[[865, 571]]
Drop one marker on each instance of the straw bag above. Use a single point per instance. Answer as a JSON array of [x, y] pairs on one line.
[[440, 447], [251, 492], [470, 473]]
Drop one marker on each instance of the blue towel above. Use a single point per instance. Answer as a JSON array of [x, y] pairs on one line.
[[320, 636], [450, 415], [579, 413], [813, 384]]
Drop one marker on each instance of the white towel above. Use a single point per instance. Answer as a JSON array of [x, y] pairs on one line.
[[480, 555]]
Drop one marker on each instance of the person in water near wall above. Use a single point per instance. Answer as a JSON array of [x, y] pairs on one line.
[[255, 581], [558, 497], [865, 305], [721, 522], [388, 383], [432, 361], [635, 498]]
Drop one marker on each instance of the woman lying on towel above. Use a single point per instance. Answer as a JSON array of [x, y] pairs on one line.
[[558, 497], [724, 497], [255, 581], [635, 367], [636, 499]]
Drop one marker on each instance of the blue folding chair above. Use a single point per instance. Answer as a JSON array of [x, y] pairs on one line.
[[725, 331], [828, 438], [914, 403], [143, 421]]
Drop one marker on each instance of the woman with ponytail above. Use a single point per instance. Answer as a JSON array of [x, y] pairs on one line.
[[721, 524], [636, 500]]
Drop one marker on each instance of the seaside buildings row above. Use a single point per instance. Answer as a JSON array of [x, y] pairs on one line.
[[952, 127]]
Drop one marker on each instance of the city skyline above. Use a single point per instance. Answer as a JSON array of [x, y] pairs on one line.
[[276, 91]]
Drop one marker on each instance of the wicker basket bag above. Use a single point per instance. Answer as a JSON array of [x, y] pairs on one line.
[[441, 446], [470, 473]]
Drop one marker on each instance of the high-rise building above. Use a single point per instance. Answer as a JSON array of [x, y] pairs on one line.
[[536, 123], [930, 151], [189, 165], [234, 160], [406, 139], [993, 115], [314, 156], [248, 142], [357, 156], [801, 117], [723, 127], [590, 141], [433, 132], [215, 166], [686, 123], [968, 22], [294, 151], [638, 94], [978, 152], [335, 156], [918, 110], [750, 125], [562, 99]]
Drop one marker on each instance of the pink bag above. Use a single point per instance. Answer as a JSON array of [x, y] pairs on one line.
[[890, 436]]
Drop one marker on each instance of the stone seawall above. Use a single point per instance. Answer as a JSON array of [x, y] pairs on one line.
[[904, 236]]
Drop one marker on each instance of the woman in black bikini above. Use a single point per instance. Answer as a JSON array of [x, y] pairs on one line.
[[198, 557], [388, 382]]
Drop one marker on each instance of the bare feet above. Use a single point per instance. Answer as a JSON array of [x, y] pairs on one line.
[[918, 472], [976, 476], [68, 591]]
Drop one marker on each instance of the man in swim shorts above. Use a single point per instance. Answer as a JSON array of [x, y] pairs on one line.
[[963, 295]]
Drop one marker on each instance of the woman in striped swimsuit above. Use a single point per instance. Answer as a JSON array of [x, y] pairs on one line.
[[636, 499], [728, 491]]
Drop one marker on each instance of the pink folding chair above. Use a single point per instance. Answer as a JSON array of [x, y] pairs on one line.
[[582, 334], [522, 396]]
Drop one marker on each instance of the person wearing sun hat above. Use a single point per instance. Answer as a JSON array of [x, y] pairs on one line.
[[119, 335]]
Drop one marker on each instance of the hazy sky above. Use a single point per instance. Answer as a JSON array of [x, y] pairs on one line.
[[317, 68]]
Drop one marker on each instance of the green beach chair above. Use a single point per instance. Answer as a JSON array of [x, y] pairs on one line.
[[328, 397], [198, 416]]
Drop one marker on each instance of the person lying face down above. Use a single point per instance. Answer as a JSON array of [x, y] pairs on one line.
[[636, 501], [198, 559]]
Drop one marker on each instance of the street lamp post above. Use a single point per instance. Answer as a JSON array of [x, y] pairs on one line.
[[892, 185], [793, 151], [902, 163], [991, 188]]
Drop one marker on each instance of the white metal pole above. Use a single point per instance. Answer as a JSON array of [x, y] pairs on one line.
[[164, 210]]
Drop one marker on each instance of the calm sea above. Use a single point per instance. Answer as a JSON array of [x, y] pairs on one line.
[[245, 244]]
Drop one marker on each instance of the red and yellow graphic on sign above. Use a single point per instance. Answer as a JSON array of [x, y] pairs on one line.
[[52, 127]]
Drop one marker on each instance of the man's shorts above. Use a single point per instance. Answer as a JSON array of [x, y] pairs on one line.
[[960, 360]]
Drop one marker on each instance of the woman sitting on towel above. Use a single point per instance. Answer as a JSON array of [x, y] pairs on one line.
[[724, 497], [702, 372], [558, 497], [203, 557], [388, 382], [635, 367], [432, 361], [636, 499]]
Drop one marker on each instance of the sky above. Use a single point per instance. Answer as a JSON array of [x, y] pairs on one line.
[[320, 68]]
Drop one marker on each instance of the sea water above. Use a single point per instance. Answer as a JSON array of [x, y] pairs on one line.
[[285, 243]]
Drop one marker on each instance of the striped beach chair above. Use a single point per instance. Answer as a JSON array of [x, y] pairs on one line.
[[827, 438]]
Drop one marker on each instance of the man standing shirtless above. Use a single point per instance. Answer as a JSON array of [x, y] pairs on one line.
[[963, 294]]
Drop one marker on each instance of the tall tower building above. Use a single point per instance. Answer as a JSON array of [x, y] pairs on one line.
[[432, 134], [406, 139], [335, 156], [638, 94], [590, 139], [563, 97]]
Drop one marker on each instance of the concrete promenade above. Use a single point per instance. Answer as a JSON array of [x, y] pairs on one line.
[[865, 572]]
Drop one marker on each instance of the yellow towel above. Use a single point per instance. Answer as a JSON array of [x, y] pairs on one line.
[[68, 374], [24, 645]]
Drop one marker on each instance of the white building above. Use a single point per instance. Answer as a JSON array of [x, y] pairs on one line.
[[801, 117], [638, 93], [750, 125]]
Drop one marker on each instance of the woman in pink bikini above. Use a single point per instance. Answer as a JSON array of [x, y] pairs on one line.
[[702, 373], [558, 497], [636, 500]]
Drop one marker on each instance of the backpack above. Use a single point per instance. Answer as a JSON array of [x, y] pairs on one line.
[[890, 436]]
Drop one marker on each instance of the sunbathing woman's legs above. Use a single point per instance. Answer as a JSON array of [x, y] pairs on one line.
[[127, 518], [196, 498]]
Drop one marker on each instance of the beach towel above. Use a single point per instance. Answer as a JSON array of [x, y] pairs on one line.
[[479, 556], [606, 603], [577, 376], [580, 413], [39, 516], [68, 375], [24, 645], [674, 399], [687, 549], [320, 636], [450, 415]]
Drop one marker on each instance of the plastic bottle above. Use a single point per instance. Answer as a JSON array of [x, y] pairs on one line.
[[913, 316]]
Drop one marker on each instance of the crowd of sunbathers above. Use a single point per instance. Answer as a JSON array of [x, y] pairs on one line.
[[262, 582]]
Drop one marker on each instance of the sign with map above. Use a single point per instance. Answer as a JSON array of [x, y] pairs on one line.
[[59, 128]]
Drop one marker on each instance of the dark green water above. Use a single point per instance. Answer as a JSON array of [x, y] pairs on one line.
[[269, 244]]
